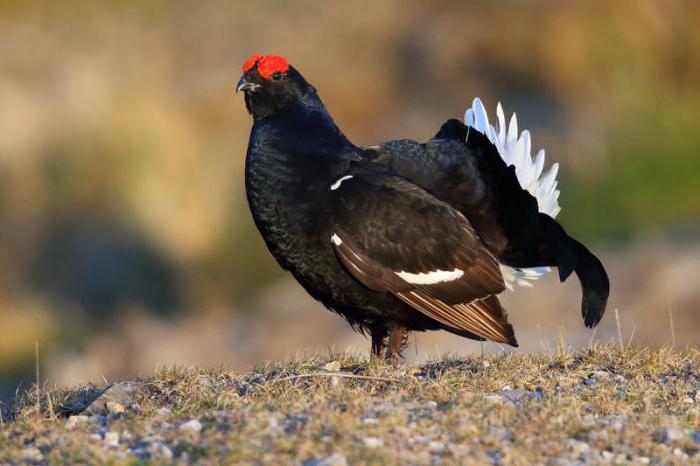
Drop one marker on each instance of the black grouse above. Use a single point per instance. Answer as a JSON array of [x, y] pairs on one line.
[[404, 235]]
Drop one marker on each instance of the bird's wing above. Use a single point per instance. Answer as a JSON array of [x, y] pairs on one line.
[[393, 236]]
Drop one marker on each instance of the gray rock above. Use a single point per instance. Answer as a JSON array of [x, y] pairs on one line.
[[373, 442], [673, 434], [114, 398], [75, 421], [32, 454], [436, 447], [111, 439], [193, 426], [336, 459]]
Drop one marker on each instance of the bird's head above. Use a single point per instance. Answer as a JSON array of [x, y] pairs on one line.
[[270, 84]]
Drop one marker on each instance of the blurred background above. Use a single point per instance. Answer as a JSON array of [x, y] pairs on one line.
[[125, 238]]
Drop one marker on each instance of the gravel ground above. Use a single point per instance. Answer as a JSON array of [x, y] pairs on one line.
[[598, 406]]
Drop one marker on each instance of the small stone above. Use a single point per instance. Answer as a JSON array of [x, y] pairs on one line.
[[163, 412], [370, 421], [204, 382], [608, 455], [32, 454], [590, 381], [112, 439], [513, 395], [680, 454], [163, 451], [580, 447], [373, 442], [486, 364], [122, 393], [673, 434], [333, 366], [436, 447], [75, 421], [336, 459], [688, 400], [115, 408], [660, 436], [193, 426]]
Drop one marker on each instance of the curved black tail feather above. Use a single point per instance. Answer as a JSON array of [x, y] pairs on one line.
[[556, 247], [595, 285]]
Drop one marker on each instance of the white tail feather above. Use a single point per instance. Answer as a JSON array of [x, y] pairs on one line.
[[515, 149]]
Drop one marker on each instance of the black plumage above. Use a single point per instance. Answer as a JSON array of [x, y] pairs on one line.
[[402, 236]]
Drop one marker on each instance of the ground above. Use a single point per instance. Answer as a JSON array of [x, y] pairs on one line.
[[602, 405]]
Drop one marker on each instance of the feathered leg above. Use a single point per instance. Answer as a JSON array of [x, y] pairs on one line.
[[398, 341]]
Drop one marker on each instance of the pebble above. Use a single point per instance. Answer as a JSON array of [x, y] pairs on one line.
[[579, 447], [373, 442], [114, 398], [112, 439], [193, 426], [115, 408], [75, 421], [589, 381], [32, 454], [436, 447], [336, 459], [673, 434], [680, 454], [370, 421], [163, 451]]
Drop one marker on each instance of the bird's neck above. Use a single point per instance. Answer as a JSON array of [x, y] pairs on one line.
[[301, 137]]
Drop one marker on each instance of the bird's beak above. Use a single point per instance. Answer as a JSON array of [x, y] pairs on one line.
[[246, 86]]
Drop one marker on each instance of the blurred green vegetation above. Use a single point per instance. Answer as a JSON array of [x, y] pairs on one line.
[[123, 115]]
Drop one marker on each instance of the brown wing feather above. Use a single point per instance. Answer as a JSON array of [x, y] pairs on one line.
[[485, 317]]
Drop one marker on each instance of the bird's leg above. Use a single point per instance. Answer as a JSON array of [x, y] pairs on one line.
[[398, 341], [378, 333]]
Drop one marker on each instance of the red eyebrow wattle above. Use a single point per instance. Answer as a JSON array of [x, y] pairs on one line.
[[272, 64], [251, 61]]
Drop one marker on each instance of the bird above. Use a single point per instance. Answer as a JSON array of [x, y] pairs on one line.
[[405, 236]]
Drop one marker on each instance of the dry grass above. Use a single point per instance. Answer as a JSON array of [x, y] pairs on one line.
[[602, 405]]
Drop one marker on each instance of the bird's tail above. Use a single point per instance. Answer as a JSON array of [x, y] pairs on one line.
[[595, 285], [572, 256]]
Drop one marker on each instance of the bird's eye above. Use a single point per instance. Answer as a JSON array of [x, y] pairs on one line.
[[276, 76]]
